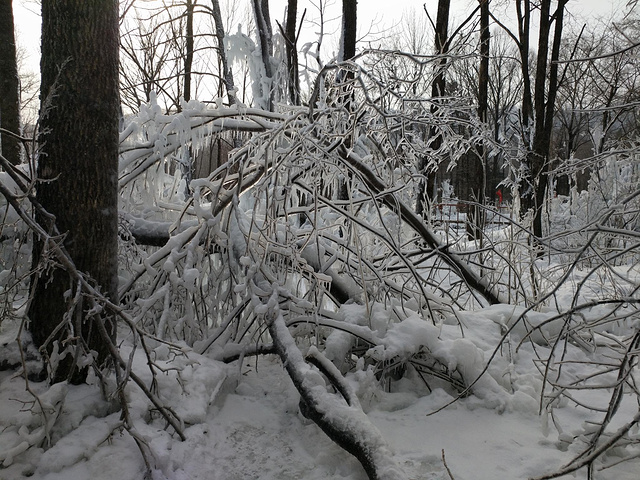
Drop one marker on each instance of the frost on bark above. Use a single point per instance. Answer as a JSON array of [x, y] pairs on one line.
[[226, 75], [9, 85], [263, 25], [77, 174], [291, 38]]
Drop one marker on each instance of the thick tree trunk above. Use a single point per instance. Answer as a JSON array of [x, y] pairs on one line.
[[9, 85], [78, 170], [349, 29]]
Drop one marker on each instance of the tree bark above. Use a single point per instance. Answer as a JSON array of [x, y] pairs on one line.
[[188, 59], [483, 74], [225, 74], [427, 195], [77, 172], [9, 85], [523, 12], [292, 51], [477, 180], [349, 29], [263, 25], [544, 105], [348, 38]]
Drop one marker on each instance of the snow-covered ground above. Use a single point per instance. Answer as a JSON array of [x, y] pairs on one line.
[[242, 421]]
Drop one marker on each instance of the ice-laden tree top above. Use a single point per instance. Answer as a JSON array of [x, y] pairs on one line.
[[266, 256]]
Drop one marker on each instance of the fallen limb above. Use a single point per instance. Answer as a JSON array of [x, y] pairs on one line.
[[412, 219], [341, 419]]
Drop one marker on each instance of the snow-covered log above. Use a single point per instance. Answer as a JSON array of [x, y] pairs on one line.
[[341, 419]]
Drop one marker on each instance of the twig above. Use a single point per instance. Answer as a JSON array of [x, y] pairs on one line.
[[67, 264], [444, 462], [595, 453]]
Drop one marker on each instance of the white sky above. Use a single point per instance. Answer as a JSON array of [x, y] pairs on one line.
[[379, 13]]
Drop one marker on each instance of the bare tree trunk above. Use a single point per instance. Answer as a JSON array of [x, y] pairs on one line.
[[483, 74], [263, 24], [427, 194], [77, 171], [544, 103], [291, 39], [349, 29], [348, 39], [523, 12], [477, 178], [188, 59], [536, 157], [9, 85], [441, 44], [225, 74]]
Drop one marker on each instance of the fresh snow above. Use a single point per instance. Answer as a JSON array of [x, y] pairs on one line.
[[242, 420]]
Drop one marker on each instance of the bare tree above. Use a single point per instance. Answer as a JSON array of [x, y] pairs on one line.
[[523, 14], [146, 65], [174, 51], [505, 92], [77, 173], [538, 107], [290, 35], [263, 26], [546, 89], [427, 195], [477, 162], [349, 30], [226, 76], [9, 86], [188, 58]]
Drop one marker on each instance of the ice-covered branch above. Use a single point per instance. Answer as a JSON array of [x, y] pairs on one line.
[[345, 424], [98, 303], [460, 267]]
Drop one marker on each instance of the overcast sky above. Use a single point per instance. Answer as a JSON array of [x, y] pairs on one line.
[[375, 13]]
